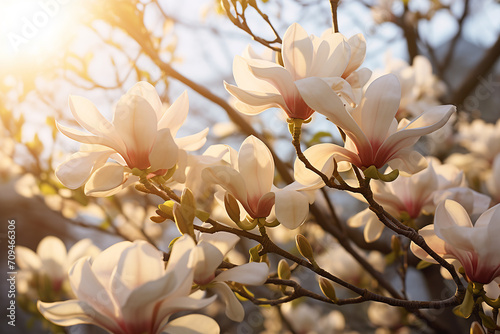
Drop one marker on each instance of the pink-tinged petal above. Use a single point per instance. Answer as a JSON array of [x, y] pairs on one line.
[[338, 58], [378, 108], [321, 98], [90, 290], [173, 305], [148, 92], [408, 161], [87, 115], [321, 156], [75, 312], [192, 142], [373, 230], [229, 179], [254, 273], [234, 309], [426, 123], [297, 51], [52, 252], [136, 124], [76, 170], [106, 178], [432, 240], [256, 100], [208, 259], [26, 259], [358, 53], [192, 324], [263, 207], [175, 116], [164, 152], [291, 208], [256, 165], [224, 241]]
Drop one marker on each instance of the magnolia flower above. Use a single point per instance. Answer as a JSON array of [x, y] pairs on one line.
[[250, 181], [210, 252], [47, 269], [127, 289], [409, 196], [480, 138], [141, 136], [374, 137], [263, 84], [493, 180], [309, 320], [453, 236]]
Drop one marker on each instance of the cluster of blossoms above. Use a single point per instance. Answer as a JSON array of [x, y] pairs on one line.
[[128, 289]]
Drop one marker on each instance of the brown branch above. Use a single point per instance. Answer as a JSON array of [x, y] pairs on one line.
[[334, 4]]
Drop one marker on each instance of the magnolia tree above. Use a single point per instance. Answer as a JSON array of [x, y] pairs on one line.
[[370, 225]]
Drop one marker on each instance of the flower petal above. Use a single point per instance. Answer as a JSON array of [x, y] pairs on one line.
[[193, 142], [229, 179], [175, 116], [105, 178], [76, 170], [164, 152], [256, 100], [148, 92], [87, 115], [297, 51], [358, 53], [256, 164], [253, 273], [224, 241], [52, 252], [234, 309], [292, 208], [136, 124], [192, 324], [75, 312]]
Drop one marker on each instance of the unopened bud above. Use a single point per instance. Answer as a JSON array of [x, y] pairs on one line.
[[157, 219], [183, 225], [254, 253], [327, 289], [142, 188], [166, 209], [284, 270], [232, 207], [304, 247], [188, 205]]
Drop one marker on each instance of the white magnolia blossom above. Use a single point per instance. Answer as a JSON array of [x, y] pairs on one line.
[[408, 197], [493, 180], [309, 320], [141, 136], [374, 136], [250, 181], [480, 138], [261, 83], [128, 289], [47, 269], [210, 252], [453, 236]]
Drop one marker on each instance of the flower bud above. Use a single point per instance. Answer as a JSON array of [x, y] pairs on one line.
[[327, 289], [188, 205], [284, 270], [183, 225], [304, 247], [232, 207]]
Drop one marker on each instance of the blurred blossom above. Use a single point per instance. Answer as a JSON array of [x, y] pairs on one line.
[[128, 289], [250, 181], [209, 253], [388, 318], [261, 83], [492, 180], [141, 136], [407, 197], [309, 320], [374, 137], [8, 168], [453, 236], [480, 138], [420, 88], [44, 274], [382, 11]]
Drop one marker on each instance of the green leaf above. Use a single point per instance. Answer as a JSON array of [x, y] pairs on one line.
[[423, 264]]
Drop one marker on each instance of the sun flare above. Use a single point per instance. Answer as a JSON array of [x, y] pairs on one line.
[[34, 30]]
